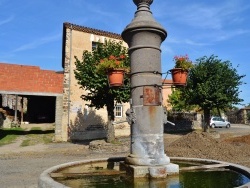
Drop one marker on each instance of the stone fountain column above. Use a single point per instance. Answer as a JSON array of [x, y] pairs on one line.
[[144, 37]]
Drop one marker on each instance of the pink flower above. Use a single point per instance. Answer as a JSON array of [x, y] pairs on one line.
[[112, 57]]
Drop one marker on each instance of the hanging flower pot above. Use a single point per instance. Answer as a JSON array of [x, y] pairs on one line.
[[116, 77], [180, 71], [179, 76], [115, 68]]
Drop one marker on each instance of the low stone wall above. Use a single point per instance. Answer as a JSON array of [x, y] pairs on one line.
[[183, 123], [123, 129], [180, 125], [88, 134], [103, 146], [98, 132]]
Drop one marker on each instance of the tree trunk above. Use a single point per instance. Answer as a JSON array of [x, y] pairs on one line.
[[110, 126], [218, 110], [206, 120]]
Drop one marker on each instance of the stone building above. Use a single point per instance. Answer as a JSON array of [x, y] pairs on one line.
[[29, 94], [246, 114], [80, 122]]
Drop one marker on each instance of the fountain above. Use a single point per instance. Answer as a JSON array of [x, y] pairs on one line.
[[147, 165], [146, 116]]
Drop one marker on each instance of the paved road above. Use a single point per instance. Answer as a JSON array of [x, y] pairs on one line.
[[22, 169], [236, 129]]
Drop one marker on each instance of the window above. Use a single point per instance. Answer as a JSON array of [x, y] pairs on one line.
[[94, 45], [118, 111]]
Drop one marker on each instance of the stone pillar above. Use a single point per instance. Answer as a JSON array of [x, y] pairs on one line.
[[58, 119], [144, 37]]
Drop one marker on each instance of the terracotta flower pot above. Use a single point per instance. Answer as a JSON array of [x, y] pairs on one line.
[[116, 77], [179, 76]]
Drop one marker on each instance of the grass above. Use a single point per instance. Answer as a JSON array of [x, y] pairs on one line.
[[8, 136], [116, 141], [32, 137]]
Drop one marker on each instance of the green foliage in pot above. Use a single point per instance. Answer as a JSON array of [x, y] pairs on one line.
[[183, 62], [112, 63]]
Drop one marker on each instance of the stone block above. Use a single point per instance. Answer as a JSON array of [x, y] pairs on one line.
[[161, 171], [158, 172], [172, 169]]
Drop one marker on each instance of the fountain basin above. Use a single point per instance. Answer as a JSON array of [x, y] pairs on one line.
[[48, 178]]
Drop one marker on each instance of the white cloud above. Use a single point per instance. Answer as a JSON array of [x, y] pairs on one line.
[[167, 49], [7, 20], [99, 11], [173, 40], [191, 42], [230, 34], [203, 15], [204, 23], [38, 43], [187, 41]]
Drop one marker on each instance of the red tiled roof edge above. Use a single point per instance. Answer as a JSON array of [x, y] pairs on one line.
[[29, 79], [92, 30]]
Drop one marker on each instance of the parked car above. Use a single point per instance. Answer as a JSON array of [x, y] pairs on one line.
[[219, 122]]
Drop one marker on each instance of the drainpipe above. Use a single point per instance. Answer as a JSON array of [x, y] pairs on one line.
[[70, 61]]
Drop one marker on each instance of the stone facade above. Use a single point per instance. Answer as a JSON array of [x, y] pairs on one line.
[[79, 122]]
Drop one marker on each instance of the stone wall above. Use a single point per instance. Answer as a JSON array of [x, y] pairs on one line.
[[58, 118], [239, 116], [193, 122]]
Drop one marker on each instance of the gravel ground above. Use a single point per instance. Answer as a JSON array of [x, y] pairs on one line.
[[20, 167], [203, 145]]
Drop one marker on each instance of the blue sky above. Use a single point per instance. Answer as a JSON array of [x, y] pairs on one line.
[[31, 30]]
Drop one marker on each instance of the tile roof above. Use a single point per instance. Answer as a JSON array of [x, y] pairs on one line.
[[92, 30], [29, 80]]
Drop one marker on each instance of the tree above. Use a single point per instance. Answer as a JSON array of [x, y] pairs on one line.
[[177, 102], [96, 84], [212, 83]]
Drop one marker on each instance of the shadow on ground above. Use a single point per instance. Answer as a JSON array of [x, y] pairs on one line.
[[4, 132]]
